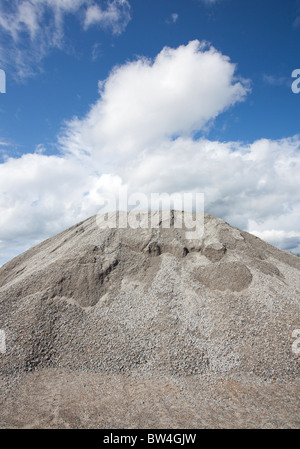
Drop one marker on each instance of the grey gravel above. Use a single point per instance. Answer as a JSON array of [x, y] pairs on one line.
[[141, 328]]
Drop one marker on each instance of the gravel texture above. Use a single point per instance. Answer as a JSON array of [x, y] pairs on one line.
[[141, 328]]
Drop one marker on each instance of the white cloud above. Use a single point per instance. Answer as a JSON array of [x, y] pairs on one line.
[[40, 23], [254, 187], [41, 195], [139, 134], [37, 195], [116, 16], [145, 101]]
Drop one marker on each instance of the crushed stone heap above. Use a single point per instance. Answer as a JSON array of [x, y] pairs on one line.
[[137, 315]]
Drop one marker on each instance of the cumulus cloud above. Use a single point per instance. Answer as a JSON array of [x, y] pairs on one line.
[[41, 195], [140, 135], [145, 101], [253, 186], [40, 24]]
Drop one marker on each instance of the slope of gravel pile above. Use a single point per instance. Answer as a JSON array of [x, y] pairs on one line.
[[178, 319]]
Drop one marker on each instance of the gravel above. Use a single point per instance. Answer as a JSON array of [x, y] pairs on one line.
[[182, 333]]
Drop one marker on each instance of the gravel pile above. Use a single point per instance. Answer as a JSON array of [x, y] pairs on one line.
[[94, 313]]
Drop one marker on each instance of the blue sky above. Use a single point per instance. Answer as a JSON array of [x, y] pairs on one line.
[[95, 101]]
